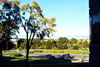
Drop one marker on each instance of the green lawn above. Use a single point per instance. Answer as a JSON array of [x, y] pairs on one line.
[[8, 52], [17, 59]]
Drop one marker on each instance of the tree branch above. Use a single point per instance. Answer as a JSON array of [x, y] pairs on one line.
[[32, 39]]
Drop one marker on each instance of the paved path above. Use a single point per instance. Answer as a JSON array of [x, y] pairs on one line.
[[77, 58]]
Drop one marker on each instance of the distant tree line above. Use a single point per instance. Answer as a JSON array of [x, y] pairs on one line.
[[61, 43]]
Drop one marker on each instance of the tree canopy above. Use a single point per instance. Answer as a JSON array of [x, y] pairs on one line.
[[9, 19]]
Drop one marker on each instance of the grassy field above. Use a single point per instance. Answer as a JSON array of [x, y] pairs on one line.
[[8, 52]]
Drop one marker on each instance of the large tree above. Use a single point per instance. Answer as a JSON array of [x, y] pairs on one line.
[[35, 24], [62, 43], [9, 22], [73, 41]]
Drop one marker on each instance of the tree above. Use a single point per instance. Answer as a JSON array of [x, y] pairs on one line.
[[35, 24], [73, 41], [21, 44], [36, 43], [80, 42], [42, 46], [85, 44], [9, 22], [0, 30], [50, 44], [76, 47], [62, 42]]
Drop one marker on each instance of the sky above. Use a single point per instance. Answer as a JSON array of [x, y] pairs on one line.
[[72, 17]]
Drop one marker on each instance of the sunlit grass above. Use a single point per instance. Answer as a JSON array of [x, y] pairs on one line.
[[19, 59], [83, 52], [23, 59], [7, 52]]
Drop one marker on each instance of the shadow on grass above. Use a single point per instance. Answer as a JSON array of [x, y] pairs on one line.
[[51, 61]]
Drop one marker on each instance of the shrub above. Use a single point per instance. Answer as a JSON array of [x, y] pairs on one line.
[[76, 47], [42, 47], [45, 51], [20, 48]]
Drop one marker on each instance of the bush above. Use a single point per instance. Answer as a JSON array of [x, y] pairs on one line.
[[42, 47], [46, 51], [76, 47], [20, 48], [54, 51]]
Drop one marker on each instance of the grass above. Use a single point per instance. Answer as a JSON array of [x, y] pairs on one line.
[[35, 60], [7, 52], [48, 51], [58, 51], [12, 58], [51, 51], [22, 59], [20, 62]]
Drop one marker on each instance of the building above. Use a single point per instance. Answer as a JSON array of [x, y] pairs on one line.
[[94, 12]]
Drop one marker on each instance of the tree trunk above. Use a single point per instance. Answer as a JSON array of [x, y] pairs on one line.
[[27, 51], [1, 58]]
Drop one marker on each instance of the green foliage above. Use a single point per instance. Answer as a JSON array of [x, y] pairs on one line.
[[50, 44], [42, 47], [9, 13], [63, 40], [53, 44], [36, 43], [76, 47], [65, 46], [73, 41], [22, 44], [9, 24], [62, 43], [85, 44], [80, 42]]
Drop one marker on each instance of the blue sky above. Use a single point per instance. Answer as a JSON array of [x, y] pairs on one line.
[[72, 17]]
